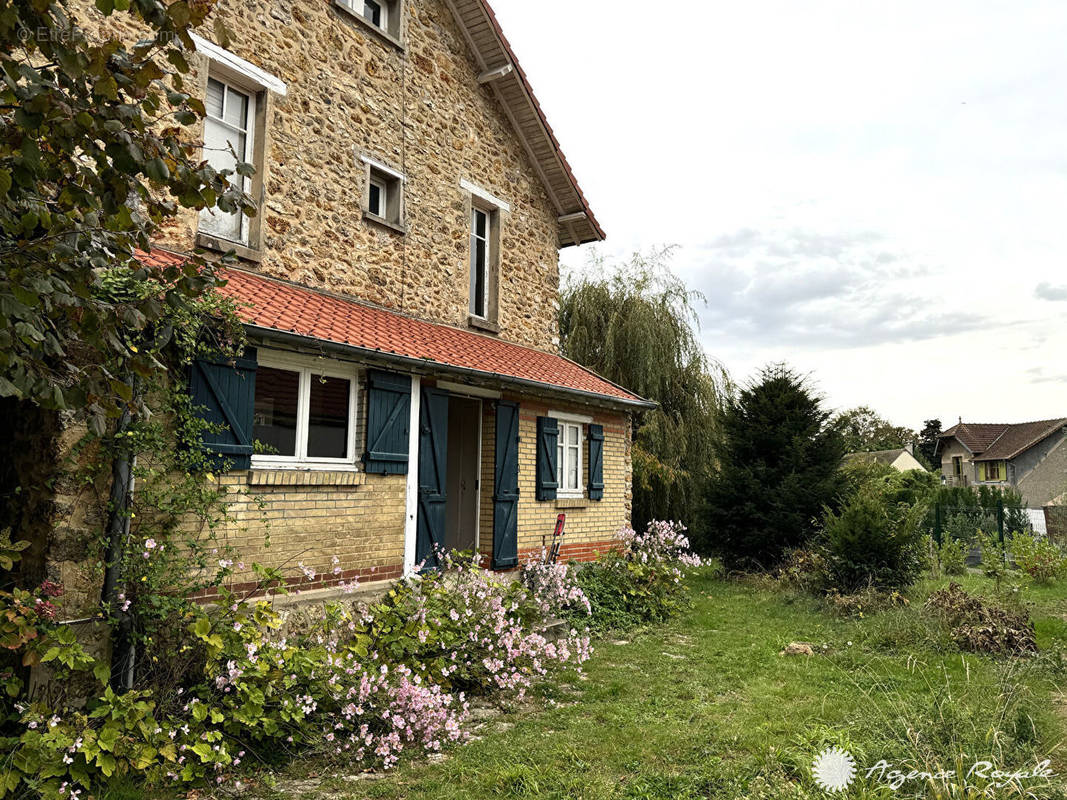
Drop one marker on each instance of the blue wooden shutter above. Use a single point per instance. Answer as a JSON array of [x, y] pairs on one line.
[[224, 393], [547, 458], [433, 463], [388, 421], [596, 462], [506, 487]]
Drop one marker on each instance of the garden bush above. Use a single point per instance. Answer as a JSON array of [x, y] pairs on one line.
[[872, 542], [364, 684], [642, 582], [953, 557], [1038, 556]]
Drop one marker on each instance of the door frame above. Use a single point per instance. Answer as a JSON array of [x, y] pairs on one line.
[[451, 390], [412, 488]]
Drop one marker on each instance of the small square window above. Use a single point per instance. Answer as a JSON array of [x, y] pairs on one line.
[[383, 200]]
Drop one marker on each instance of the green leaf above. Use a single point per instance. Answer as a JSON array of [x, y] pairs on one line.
[[202, 627], [203, 749], [102, 672], [156, 169], [106, 762]]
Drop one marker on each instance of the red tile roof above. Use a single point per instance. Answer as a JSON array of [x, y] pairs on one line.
[[976, 436], [1003, 441], [278, 306]]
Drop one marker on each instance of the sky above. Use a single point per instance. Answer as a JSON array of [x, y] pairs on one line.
[[873, 192]]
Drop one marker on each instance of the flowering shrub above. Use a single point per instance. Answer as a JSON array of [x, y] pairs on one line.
[[643, 582], [364, 685], [465, 628], [552, 588], [662, 543]]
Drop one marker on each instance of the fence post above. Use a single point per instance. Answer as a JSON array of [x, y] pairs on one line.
[[937, 523], [1000, 526]]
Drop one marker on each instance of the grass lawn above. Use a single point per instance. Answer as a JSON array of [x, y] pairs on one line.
[[706, 707]]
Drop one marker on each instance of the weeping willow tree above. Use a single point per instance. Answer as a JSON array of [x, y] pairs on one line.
[[635, 323]]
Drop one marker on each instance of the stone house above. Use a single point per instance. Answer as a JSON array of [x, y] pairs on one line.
[[1030, 457], [404, 390]]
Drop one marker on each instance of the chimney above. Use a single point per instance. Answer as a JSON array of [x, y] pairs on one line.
[[910, 447]]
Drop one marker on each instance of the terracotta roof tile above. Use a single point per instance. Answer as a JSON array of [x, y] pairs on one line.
[[997, 441], [1019, 438], [278, 306], [976, 436]]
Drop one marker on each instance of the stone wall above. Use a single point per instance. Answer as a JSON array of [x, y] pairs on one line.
[[418, 109]]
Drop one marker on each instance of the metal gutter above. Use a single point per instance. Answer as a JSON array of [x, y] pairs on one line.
[[428, 366]]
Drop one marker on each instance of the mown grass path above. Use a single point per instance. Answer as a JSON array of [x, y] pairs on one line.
[[706, 707]]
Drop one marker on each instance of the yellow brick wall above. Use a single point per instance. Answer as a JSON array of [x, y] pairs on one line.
[[281, 518], [590, 524]]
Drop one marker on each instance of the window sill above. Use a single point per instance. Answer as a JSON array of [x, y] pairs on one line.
[[482, 324], [572, 502], [370, 26], [396, 227], [243, 252], [304, 476]]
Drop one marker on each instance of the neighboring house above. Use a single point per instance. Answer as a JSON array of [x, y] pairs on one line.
[[400, 288], [1030, 457], [900, 459]]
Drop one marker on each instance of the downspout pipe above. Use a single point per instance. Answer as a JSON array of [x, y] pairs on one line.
[[117, 534]]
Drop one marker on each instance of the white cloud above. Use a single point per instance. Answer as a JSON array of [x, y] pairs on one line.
[[872, 191]]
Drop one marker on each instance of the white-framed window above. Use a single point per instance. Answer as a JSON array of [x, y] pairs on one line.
[[383, 198], [304, 412], [481, 220], [376, 13], [383, 15], [378, 199], [229, 131], [485, 222]]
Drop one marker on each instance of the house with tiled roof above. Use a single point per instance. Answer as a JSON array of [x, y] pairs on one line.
[[902, 459], [404, 391], [1030, 457]]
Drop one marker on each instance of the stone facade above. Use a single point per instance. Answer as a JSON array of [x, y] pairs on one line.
[[416, 108], [413, 104]]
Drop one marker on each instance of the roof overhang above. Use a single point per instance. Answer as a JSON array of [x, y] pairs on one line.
[[424, 366], [500, 71]]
